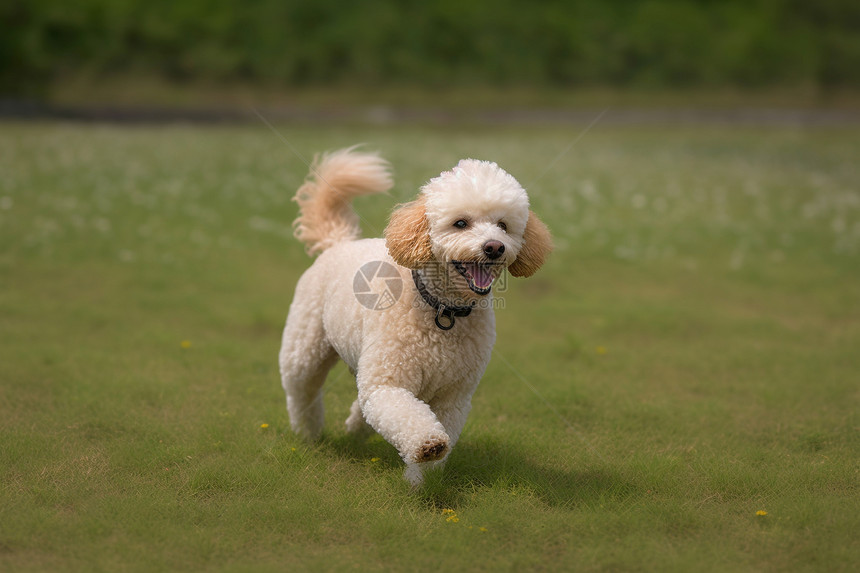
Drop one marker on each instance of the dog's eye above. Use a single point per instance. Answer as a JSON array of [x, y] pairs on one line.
[[461, 224], [502, 226]]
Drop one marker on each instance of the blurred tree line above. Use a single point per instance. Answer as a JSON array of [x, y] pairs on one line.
[[647, 43]]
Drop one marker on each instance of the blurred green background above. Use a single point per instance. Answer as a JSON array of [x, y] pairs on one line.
[[46, 45]]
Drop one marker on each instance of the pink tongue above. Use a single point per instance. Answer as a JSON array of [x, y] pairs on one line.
[[481, 275]]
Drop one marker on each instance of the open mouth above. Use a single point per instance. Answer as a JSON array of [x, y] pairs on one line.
[[479, 276]]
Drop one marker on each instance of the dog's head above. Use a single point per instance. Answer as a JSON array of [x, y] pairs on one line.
[[474, 218]]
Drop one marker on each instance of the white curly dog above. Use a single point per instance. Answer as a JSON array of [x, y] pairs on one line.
[[411, 314]]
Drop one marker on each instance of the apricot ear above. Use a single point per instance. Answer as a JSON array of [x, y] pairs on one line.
[[407, 235], [537, 246]]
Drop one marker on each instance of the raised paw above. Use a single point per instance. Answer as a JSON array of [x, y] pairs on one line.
[[432, 449]]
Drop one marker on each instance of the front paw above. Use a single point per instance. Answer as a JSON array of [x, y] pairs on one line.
[[434, 448]]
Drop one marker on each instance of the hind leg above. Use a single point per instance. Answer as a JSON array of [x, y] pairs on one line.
[[305, 359]]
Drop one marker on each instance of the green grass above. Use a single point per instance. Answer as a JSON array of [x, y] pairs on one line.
[[687, 357]]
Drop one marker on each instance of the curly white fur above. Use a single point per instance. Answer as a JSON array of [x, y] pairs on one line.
[[415, 381]]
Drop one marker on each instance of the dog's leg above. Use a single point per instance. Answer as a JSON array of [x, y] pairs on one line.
[[305, 359], [403, 420], [414, 473], [452, 409], [355, 423]]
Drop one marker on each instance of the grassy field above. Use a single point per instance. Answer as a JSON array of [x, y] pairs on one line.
[[677, 390]]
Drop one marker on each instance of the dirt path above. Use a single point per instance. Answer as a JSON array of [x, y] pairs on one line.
[[382, 115]]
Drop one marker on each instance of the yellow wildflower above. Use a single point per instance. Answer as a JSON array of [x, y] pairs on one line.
[[185, 344], [264, 426], [761, 513], [374, 460], [452, 515]]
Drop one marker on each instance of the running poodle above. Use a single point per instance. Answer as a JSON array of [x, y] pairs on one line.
[[410, 314]]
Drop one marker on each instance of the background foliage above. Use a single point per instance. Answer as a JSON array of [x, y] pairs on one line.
[[648, 43]]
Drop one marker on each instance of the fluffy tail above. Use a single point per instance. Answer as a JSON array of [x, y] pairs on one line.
[[325, 212]]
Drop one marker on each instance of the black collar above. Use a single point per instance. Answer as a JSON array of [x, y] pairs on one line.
[[442, 310]]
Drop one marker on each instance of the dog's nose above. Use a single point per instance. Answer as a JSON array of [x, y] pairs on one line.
[[494, 249]]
